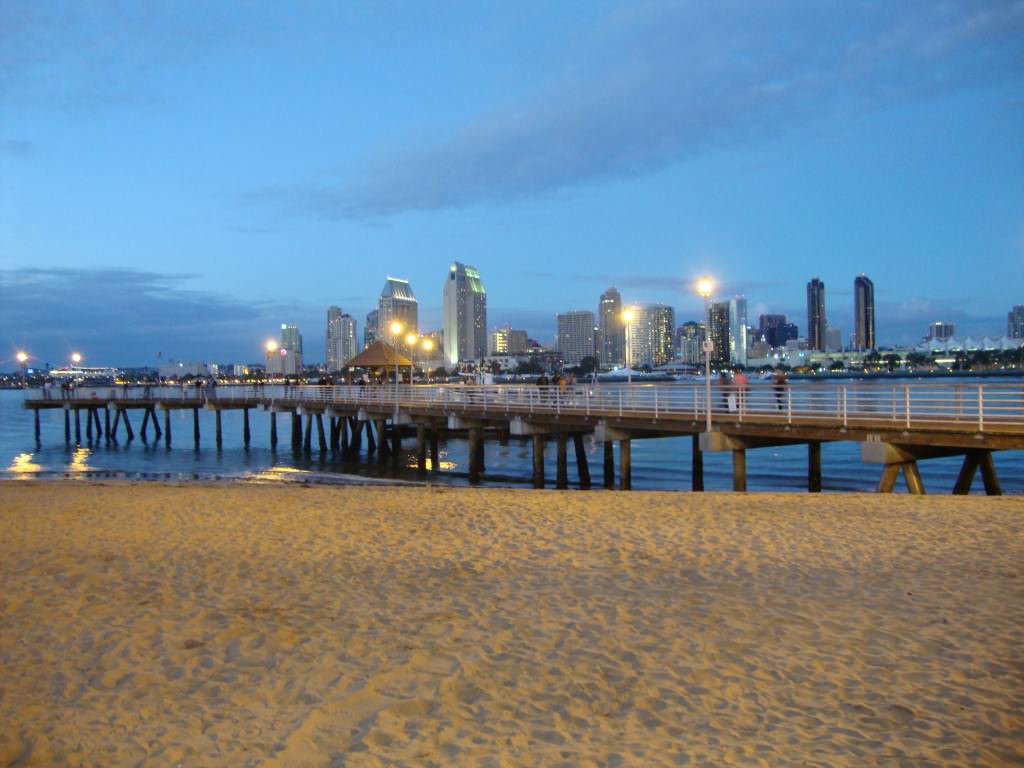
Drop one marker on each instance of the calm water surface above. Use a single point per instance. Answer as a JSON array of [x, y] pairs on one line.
[[662, 464]]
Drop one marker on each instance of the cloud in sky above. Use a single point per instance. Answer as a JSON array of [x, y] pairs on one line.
[[125, 316], [655, 83]]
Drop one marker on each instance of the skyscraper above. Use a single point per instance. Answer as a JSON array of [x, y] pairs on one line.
[[769, 328], [1015, 322], [719, 331], [575, 336], [650, 335], [816, 323], [341, 339], [863, 313], [689, 337], [465, 314], [738, 331], [507, 341], [370, 330], [291, 350], [941, 331], [611, 331], [398, 303]]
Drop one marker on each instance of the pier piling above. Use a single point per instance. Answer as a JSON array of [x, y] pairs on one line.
[[697, 463], [582, 467], [273, 431], [561, 461], [814, 466], [625, 465], [739, 469], [538, 461]]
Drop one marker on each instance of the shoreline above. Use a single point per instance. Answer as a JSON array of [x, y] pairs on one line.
[[226, 624]]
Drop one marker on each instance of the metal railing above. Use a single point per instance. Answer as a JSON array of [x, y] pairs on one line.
[[969, 406]]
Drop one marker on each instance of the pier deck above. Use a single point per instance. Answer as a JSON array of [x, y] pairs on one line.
[[896, 425]]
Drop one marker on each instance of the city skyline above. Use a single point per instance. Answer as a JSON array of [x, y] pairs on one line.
[[146, 154]]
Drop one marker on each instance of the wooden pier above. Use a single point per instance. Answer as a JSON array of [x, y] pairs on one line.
[[896, 425]]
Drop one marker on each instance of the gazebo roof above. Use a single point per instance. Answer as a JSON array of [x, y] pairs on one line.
[[378, 355]]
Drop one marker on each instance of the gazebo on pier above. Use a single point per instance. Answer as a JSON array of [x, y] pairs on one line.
[[380, 360]]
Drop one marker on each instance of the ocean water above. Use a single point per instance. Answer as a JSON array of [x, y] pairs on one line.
[[659, 464]]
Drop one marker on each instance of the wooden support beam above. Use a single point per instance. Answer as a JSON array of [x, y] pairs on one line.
[[625, 465], [296, 432], [167, 426], [912, 476], [218, 428], [967, 472], [562, 461], [99, 424], [609, 464], [890, 473], [343, 433], [371, 443], [156, 421], [421, 447], [476, 438], [333, 438], [538, 461], [106, 423], [78, 427], [814, 466], [88, 425], [697, 463], [435, 453], [273, 430], [321, 438], [307, 440], [37, 424], [357, 435], [195, 427], [582, 467], [988, 474], [739, 469], [396, 443], [127, 424], [67, 426], [117, 421], [246, 432], [145, 424]]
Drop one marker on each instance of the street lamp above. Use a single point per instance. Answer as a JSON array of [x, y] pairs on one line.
[[396, 329], [75, 359], [627, 319], [704, 287], [22, 358]]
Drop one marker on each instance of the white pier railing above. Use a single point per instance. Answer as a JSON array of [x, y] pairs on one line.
[[973, 406]]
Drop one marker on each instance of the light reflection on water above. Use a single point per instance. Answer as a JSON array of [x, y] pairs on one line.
[[80, 459], [22, 464]]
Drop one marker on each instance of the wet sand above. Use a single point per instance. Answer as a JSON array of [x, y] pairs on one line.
[[259, 625]]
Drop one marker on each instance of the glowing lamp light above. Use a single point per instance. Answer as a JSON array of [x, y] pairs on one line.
[[271, 345], [22, 357], [411, 339], [705, 286], [396, 328], [428, 344], [76, 358], [628, 315]]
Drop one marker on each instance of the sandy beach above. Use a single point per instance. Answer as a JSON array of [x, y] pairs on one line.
[[215, 625]]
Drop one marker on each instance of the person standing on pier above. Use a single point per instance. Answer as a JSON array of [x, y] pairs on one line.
[[742, 384], [779, 385]]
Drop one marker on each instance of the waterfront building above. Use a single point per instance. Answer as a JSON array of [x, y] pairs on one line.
[[288, 358], [863, 313], [370, 329], [941, 331], [611, 330], [816, 323], [738, 331], [341, 339], [1015, 322], [507, 341], [689, 338], [650, 335], [575, 339], [718, 332], [768, 326], [398, 303], [833, 339], [465, 314]]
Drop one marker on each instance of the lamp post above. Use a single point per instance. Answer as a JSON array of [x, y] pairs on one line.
[[271, 346], [704, 288], [22, 358], [627, 319], [396, 329], [75, 359]]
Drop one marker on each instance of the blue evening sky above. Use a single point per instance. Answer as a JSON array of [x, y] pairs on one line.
[[183, 177]]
